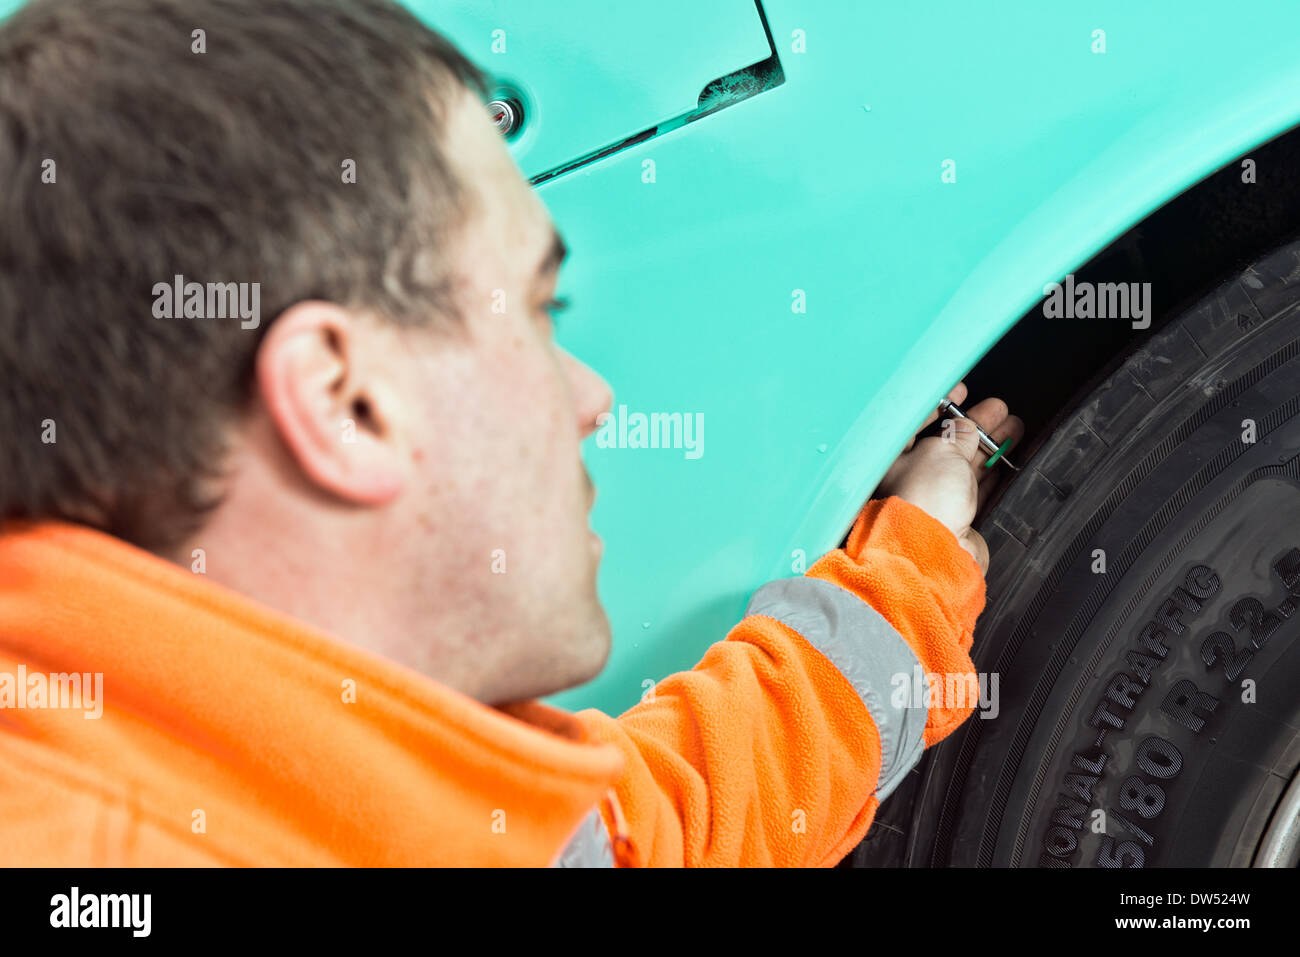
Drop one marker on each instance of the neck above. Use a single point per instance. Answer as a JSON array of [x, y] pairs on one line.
[[283, 544]]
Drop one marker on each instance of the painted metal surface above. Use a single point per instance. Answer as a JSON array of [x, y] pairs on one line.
[[599, 72], [832, 183]]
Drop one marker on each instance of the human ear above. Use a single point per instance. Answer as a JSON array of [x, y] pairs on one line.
[[326, 407]]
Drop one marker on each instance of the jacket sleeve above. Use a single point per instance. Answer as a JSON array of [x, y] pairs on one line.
[[778, 746]]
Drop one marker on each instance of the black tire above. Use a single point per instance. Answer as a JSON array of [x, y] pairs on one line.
[[1200, 531]]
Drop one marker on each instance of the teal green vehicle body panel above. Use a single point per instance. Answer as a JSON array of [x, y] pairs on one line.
[[627, 69], [830, 183]]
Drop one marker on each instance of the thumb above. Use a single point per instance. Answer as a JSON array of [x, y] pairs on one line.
[[963, 438]]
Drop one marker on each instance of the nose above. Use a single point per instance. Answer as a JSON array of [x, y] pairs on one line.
[[591, 393]]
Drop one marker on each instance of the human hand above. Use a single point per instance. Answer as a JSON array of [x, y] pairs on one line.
[[945, 476]]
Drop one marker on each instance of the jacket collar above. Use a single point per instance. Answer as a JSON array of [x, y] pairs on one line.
[[305, 749]]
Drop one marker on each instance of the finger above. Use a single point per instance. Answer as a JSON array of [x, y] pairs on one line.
[[956, 395], [1012, 428], [990, 414], [993, 418], [964, 438]]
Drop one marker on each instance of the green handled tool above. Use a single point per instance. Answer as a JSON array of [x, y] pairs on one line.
[[996, 452]]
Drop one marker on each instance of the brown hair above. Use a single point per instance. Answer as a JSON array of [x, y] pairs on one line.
[[131, 153]]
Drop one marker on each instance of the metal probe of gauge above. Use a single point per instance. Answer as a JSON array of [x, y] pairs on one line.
[[996, 452]]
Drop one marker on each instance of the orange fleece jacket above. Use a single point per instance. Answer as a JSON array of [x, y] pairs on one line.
[[231, 734]]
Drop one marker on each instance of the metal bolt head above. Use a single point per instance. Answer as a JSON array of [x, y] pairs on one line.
[[505, 115]]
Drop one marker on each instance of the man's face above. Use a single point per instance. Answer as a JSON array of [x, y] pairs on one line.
[[499, 505]]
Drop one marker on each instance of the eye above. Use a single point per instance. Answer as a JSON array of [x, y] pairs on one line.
[[555, 306]]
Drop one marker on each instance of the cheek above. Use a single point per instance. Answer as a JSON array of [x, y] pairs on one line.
[[524, 404], [500, 451], [530, 376], [552, 475]]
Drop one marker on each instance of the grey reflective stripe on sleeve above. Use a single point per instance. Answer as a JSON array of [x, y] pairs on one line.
[[867, 651], [590, 846]]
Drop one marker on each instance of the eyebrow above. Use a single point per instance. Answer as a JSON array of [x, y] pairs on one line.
[[555, 255]]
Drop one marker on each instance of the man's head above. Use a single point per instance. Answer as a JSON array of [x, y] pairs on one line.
[[391, 452]]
